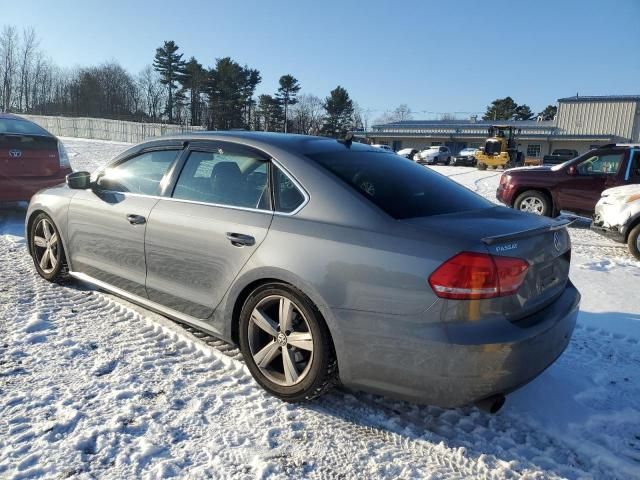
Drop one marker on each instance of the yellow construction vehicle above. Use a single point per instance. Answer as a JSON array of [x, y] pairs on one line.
[[500, 149]]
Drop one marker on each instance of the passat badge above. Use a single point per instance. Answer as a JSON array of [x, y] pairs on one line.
[[507, 247], [15, 153]]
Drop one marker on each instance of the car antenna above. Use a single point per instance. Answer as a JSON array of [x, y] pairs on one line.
[[346, 139]]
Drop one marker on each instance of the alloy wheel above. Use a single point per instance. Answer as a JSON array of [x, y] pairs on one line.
[[280, 340], [46, 243], [532, 205]]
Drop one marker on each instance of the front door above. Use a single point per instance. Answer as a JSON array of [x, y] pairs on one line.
[[107, 224], [581, 191], [198, 240]]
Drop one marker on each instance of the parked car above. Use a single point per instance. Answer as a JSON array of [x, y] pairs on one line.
[[558, 156], [617, 216], [434, 155], [575, 185], [467, 156], [320, 257], [382, 146], [408, 152], [30, 159]]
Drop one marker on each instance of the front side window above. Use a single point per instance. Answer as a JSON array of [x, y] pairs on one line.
[[285, 193], [401, 188], [604, 164], [141, 174], [224, 177]]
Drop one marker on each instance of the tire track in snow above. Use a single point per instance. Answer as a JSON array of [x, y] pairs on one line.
[[205, 386]]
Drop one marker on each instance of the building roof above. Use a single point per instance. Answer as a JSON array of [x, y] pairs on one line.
[[465, 123], [600, 98]]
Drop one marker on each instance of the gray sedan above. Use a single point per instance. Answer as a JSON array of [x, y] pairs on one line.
[[323, 259]]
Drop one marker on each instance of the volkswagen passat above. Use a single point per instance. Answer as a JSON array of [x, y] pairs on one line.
[[323, 259]]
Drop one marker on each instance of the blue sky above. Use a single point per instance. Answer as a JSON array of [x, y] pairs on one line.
[[446, 56]]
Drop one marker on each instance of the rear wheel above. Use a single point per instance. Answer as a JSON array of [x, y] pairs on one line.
[[286, 343], [481, 166], [46, 249], [533, 201], [634, 241]]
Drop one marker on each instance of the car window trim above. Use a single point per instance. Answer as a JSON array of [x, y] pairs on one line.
[[305, 195]]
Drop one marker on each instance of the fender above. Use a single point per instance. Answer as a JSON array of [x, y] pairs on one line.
[[629, 224]]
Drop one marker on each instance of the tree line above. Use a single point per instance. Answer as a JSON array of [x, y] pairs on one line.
[[171, 89]]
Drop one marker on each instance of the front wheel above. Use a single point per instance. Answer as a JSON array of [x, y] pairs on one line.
[[481, 166], [633, 241], [46, 249], [286, 343], [533, 201]]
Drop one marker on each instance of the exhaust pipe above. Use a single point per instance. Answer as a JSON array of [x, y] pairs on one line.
[[491, 404]]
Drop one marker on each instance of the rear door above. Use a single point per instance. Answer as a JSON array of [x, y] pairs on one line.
[[107, 224], [198, 240], [599, 171]]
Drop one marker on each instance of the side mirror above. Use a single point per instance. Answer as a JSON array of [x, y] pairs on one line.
[[79, 180], [572, 170]]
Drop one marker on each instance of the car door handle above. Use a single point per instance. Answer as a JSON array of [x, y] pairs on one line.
[[240, 240], [136, 219]]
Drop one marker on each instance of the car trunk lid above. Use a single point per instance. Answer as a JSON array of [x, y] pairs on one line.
[[23, 155], [542, 242]]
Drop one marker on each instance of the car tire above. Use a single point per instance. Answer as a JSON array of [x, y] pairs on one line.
[[448, 161], [633, 241], [46, 250], [534, 201], [481, 166], [309, 368]]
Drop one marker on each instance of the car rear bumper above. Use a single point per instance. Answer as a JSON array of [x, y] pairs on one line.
[[453, 364], [14, 189]]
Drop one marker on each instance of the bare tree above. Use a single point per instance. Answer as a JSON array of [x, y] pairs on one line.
[[401, 113], [27, 52], [307, 115], [8, 54], [152, 92]]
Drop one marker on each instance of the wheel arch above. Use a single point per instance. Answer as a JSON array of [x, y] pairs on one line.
[[630, 225], [245, 284]]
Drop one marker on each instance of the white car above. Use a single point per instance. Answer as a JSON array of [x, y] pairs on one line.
[[435, 154], [617, 216], [384, 147]]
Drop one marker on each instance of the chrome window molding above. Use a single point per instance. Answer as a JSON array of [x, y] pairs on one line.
[[304, 193]]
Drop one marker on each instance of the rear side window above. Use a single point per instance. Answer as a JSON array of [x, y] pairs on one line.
[[20, 127], [141, 174], [224, 177], [286, 195], [400, 187]]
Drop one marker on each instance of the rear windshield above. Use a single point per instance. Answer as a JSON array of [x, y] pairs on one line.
[[400, 187], [16, 126]]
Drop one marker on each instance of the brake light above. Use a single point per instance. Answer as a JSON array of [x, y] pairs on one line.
[[62, 155], [470, 276]]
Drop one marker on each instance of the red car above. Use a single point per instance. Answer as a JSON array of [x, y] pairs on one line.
[[30, 159], [574, 185]]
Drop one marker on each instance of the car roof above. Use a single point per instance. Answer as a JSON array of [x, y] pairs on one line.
[[10, 116]]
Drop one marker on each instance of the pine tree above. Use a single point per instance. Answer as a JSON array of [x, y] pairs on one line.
[[193, 80], [269, 113], [523, 112], [501, 109], [339, 108], [549, 112], [169, 64], [286, 95]]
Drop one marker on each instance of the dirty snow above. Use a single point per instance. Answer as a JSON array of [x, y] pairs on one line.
[[93, 386]]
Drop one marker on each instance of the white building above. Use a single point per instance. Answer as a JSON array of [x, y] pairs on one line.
[[580, 124]]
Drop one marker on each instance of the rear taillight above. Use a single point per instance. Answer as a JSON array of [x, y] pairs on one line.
[[470, 276], [62, 155]]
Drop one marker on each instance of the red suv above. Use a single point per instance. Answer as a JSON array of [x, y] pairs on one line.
[[30, 159], [574, 185]]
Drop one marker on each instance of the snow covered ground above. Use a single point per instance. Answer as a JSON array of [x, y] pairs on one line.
[[93, 386]]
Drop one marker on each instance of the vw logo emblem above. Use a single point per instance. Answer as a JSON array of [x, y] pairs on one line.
[[15, 153], [281, 339], [556, 241]]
